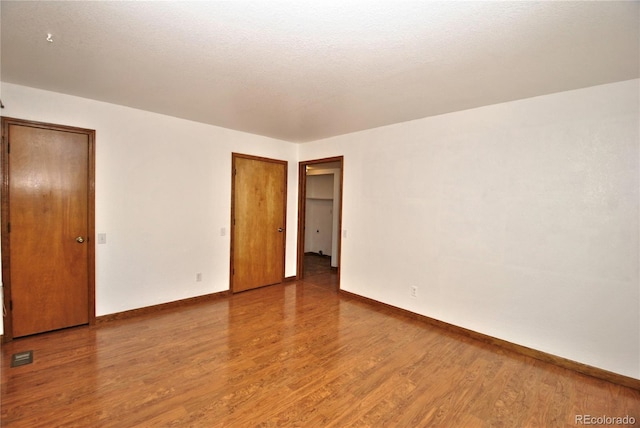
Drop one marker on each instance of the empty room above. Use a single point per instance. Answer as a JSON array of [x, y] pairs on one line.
[[320, 214]]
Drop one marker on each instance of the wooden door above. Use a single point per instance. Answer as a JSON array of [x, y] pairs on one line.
[[48, 219], [258, 210]]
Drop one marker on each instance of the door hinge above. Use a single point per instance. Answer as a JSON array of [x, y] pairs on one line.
[[10, 305], [8, 146], [8, 227]]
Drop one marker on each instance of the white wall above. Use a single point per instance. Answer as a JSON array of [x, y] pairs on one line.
[[518, 220], [163, 193], [335, 208], [318, 230], [319, 186], [319, 214]]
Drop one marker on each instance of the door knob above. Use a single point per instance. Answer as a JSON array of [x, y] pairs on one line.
[[79, 239], [280, 229]]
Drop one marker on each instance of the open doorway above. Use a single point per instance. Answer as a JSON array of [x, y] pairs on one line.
[[319, 221]]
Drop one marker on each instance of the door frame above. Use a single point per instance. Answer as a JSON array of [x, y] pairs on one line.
[[302, 211], [4, 217], [232, 228]]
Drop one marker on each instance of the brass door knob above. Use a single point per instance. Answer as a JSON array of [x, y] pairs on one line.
[[79, 239]]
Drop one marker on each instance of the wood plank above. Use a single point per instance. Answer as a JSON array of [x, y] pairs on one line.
[[523, 350], [295, 354]]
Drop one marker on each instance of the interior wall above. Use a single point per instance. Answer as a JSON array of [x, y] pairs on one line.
[[335, 207], [318, 231], [319, 214], [163, 196], [517, 220]]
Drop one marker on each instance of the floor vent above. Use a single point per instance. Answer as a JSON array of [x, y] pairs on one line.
[[21, 358]]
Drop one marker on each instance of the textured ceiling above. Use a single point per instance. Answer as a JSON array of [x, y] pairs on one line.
[[305, 70]]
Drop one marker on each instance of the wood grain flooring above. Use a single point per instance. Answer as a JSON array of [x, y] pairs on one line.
[[318, 271], [297, 354], [315, 264]]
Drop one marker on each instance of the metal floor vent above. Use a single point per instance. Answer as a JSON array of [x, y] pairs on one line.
[[22, 358]]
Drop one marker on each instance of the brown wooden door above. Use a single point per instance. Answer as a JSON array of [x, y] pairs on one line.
[[48, 208], [259, 190]]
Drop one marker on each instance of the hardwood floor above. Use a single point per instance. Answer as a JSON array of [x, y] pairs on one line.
[[318, 271], [297, 354]]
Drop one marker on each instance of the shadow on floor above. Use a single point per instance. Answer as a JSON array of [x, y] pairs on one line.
[[318, 271]]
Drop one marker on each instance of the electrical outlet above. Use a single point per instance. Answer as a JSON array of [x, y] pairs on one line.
[[414, 291], [198, 277]]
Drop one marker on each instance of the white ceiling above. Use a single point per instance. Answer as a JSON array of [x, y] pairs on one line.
[[304, 70]]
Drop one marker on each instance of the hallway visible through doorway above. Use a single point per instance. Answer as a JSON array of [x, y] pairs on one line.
[[318, 271], [320, 221]]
